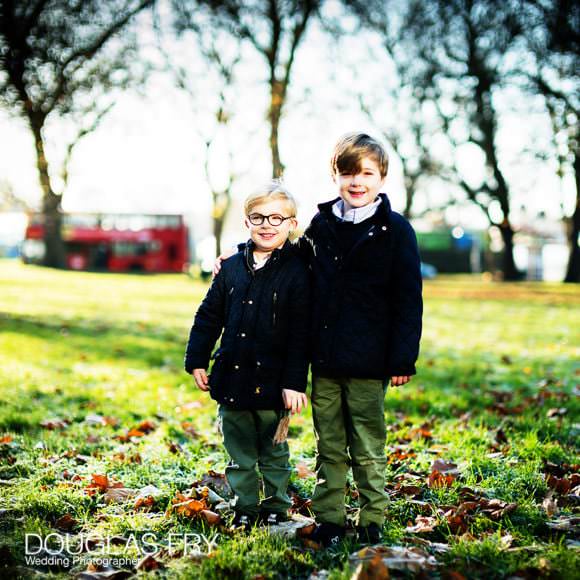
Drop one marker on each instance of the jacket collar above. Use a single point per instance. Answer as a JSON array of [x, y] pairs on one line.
[[383, 211], [276, 255]]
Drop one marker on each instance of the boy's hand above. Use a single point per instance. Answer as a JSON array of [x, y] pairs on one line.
[[217, 265], [398, 381], [200, 377], [294, 400]]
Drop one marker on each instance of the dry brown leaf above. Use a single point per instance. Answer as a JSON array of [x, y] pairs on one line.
[[189, 428], [215, 481], [438, 479], [210, 517], [550, 505], [446, 467], [148, 563], [66, 523], [303, 471], [119, 494], [374, 569], [52, 424], [559, 484], [422, 524]]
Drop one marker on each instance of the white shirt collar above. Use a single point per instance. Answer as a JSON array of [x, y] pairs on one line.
[[355, 214]]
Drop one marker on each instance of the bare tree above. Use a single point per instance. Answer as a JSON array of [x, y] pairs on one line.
[[406, 128], [57, 59], [453, 52], [551, 32], [214, 107], [9, 201], [275, 28]]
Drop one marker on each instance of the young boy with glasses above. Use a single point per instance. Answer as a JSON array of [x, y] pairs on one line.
[[260, 305]]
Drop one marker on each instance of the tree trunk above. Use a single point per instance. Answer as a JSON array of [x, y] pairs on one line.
[[218, 228], [510, 272], [573, 269], [275, 113], [54, 256]]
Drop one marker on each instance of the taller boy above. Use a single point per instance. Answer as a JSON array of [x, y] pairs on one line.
[[367, 309]]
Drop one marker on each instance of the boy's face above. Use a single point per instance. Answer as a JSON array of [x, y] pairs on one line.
[[268, 237], [360, 188]]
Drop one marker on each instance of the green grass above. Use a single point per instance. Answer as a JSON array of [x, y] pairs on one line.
[[496, 394]]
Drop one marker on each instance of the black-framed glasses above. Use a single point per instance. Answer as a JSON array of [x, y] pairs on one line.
[[257, 219]]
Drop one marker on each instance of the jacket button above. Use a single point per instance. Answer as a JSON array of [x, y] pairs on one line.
[[384, 228], [258, 363], [237, 367], [250, 301], [335, 258], [243, 334], [370, 233], [258, 390]]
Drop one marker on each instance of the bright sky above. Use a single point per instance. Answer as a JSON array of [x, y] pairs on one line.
[[146, 155]]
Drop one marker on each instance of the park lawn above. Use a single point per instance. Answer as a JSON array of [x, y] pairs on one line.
[[482, 462]]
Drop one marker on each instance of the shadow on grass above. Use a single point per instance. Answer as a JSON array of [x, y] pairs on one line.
[[138, 343]]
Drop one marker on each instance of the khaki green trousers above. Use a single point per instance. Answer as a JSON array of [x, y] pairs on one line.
[[349, 424], [248, 440]]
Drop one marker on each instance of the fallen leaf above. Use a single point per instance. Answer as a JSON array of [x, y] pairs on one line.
[[422, 524], [215, 481], [147, 496], [52, 424], [119, 494], [374, 569], [210, 517], [148, 563], [189, 428], [303, 471], [397, 558], [438, 479], [565, 524], [559, 484], [100, 483], [446, 467], [550, 505], [66, 523]]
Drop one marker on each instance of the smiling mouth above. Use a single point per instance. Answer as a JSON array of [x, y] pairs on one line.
[[267, 236]]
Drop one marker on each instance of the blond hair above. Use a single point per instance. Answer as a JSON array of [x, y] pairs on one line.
[[274, 190], [352, 148]]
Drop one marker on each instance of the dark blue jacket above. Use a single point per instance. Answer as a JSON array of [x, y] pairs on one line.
[[265, 318], [367, 303]]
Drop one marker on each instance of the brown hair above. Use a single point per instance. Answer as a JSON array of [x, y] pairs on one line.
[[274, 190], [352, 148]]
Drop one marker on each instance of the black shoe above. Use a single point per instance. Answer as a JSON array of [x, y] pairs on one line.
[[371, 534], [268, 518], [243, 522], [328, 535]]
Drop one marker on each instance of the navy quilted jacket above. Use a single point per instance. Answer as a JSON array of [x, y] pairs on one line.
[[367, 304], [265, 319]]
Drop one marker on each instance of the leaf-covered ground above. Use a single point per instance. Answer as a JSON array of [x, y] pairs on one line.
[[110, 458]]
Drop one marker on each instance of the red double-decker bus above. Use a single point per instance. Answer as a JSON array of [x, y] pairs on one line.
[[115, 242]]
